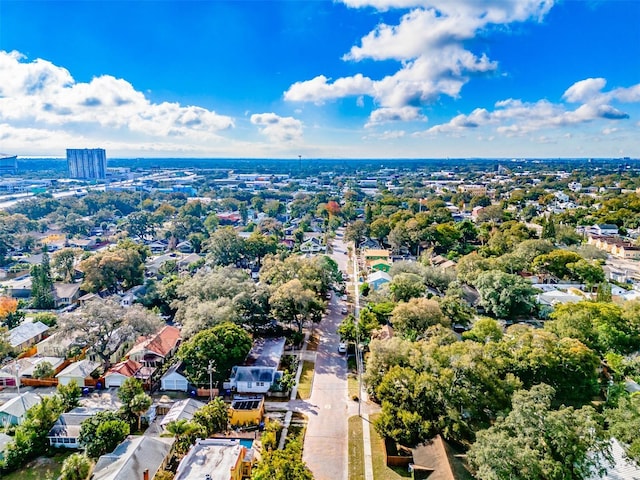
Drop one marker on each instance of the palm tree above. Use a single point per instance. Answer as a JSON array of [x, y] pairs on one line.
[[140, 404], [185, 432]]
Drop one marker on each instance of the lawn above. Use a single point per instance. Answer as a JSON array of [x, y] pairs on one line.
[[306, 380], [42, 468], [380, 469], [353, 385], [356, 449]]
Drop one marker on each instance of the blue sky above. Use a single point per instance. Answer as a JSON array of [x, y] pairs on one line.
[[341, 79]]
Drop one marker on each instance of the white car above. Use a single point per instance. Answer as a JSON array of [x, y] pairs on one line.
[[344, 310], [342, 347]]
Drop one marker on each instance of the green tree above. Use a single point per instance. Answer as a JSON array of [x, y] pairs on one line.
[[283, 464], [102, 433], [355, 232], [121, 267], [214, 416], [69, 395], [293, 303], [105, 326], [224, 247], [624, 424], [75, 467], [185, 432], [43, 370], [139, 405], [225, 345], [535, 442], [505, 295], [411, 319], [406, 286], [603, 327], [548, 229], [63, 262], [484, 330], [42, 284], [556, 263]]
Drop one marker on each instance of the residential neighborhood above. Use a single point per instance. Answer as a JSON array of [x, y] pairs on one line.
[[375, 324]]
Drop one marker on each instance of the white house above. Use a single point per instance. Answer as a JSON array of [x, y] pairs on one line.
[[174, 380], [116, 375], [66, 431], [252, 379], [313, 245], [77, 371]]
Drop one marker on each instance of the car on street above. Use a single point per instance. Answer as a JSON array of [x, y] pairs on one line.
[[344, 310], [342, 347]]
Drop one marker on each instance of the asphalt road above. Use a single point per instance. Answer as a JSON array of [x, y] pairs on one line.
[[326, 438]]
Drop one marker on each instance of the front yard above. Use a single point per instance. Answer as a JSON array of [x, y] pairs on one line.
[[42, 468]]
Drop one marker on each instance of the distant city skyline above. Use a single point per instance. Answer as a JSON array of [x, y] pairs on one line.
[[321, 79]]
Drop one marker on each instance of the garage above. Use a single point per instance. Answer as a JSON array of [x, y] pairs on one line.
[[174, 380]]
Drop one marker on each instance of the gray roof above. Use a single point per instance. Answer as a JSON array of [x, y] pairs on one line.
[[17, 406], [132, 457], [82, 369], [68, 424], [253, 374], [182, 409], [25, 332]]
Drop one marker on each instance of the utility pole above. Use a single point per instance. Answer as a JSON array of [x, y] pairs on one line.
[[210, 369]]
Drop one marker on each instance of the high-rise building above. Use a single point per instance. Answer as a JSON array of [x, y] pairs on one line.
[[8, 164], [87, 163]]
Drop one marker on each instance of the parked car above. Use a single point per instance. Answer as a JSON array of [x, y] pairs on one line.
[[342, 347], [344, 310]]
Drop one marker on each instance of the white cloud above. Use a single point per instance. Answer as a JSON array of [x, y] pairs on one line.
[[513, 117], [278, 129], [39, 96], [402, 114], [429, 44]]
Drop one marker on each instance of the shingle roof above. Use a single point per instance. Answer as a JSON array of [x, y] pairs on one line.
[[17, 406], [25, 332], [161, 343], [128, 368], [182, 409], [132, 457]]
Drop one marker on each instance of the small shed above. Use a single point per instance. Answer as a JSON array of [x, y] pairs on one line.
[[174, 379], [78, 371]]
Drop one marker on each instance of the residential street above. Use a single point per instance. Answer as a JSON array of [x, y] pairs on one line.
[[326, 439]]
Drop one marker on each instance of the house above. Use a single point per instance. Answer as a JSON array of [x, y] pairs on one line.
[[19, 287], [27, 334], [157, 247], [137, 458], [184, 262], [78, 371], [57, 345], [26, 371], [154, 350], [555, 297], [185, 247], [436, 459], [371, 254], [216, 459], [605, 229], [260, 370], [313, 245], [66, 431], [183, 409], [174, 379], [13, 411], [377, 279], [65, 294], [116, 375], [246, 410]]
